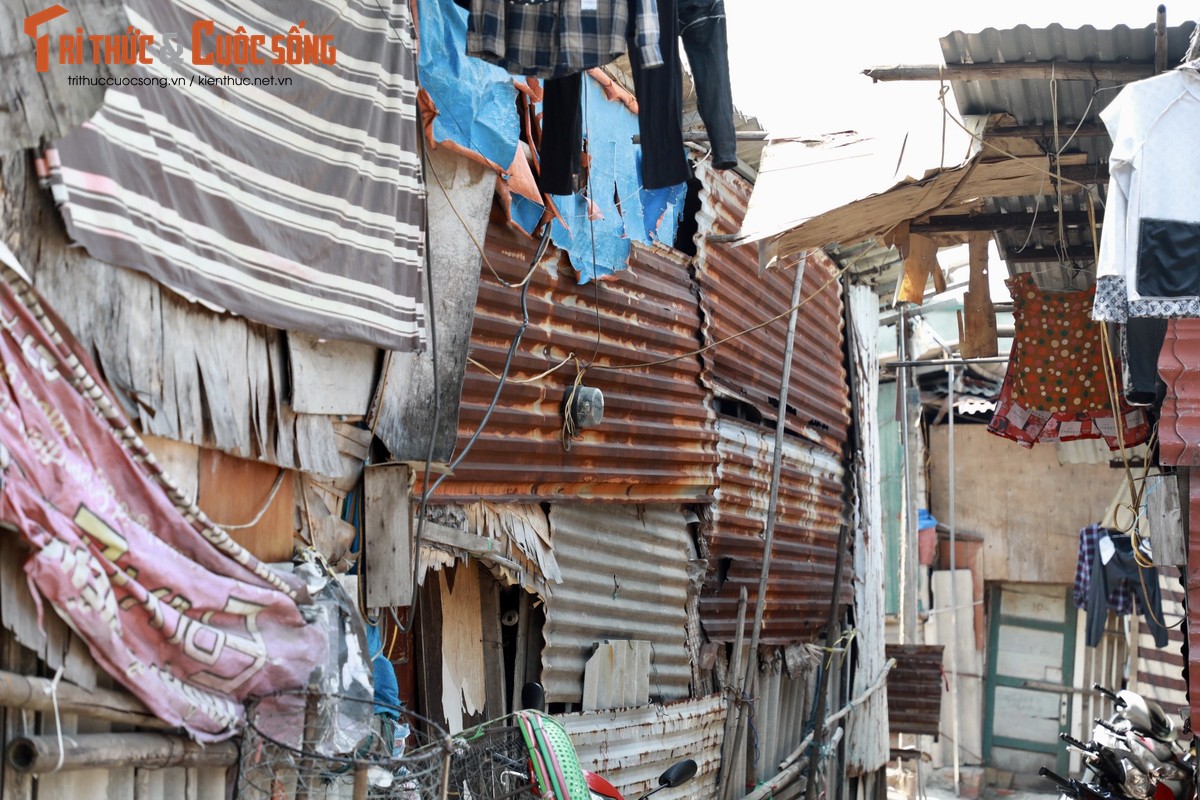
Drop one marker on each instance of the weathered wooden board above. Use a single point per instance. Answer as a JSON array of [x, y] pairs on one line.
[[181, 461], [232, 491], [387, 531], [404, 401], [36, 105], [331, 377]]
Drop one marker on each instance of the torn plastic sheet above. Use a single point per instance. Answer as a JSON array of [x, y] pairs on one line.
[[626, 212], [476, 105], [476, 101]]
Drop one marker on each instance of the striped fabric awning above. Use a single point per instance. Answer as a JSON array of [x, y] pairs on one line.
[[296, 201]]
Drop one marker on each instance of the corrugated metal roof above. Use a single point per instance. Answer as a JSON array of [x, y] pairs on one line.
[[631, 748], [735, 296], [656, 441], [806, 534], [624, 571], [915, 688], [1034, 102]]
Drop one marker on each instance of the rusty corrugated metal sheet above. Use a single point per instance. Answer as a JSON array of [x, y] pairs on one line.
[[624, 576], [631, 748], [806, 532], [915, 688], [656, 442], [734, 297]]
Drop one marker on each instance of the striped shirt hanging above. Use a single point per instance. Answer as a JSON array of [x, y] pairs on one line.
[[281, 182]]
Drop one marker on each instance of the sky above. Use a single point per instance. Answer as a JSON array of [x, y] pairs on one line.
[[796, 64]]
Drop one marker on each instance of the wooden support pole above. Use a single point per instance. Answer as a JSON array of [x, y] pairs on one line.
[[919, 264], [1013, 70], [39, 754], [34, 694], [977, 321], [1160, 40]]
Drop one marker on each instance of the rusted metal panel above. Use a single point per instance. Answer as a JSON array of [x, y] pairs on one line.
[[632, 747], [735, 297], [915, 688], [656, 442], [624, 576], [806, 533]]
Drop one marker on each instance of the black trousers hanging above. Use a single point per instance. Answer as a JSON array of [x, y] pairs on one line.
[[702, 27], [560, 157]]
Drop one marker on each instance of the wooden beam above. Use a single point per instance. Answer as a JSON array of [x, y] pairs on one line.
[[1160, 40], [1087, 129], [1085, 173], [1083, 253], [963, 223], [1013, 70], [977, 334]]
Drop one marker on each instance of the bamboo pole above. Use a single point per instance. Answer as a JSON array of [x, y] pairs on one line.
[[39, 754], [733, 719], [785, 385], [35, 694]]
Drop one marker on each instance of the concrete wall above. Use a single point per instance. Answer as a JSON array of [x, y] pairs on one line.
[[1027, 507]]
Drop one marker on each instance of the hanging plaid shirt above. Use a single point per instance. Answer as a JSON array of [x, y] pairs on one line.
[[554, 38], [1120, 600]]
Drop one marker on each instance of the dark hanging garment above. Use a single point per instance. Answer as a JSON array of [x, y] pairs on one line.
[[1141, 339], [560, 157], [660, 108], [1143, 581], [702, 27]]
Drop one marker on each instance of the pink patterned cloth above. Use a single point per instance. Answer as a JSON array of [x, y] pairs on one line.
[[171, 607]]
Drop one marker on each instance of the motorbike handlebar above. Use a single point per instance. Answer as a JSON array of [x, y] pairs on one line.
[[1111, 695], [1062, 783]]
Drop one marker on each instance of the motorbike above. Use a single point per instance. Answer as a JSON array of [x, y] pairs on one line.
[[1135, 755]]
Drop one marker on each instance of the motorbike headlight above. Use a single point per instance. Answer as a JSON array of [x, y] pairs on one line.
[[1137, 783]]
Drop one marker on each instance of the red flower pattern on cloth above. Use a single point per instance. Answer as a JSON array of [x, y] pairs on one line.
[[1057, 363]]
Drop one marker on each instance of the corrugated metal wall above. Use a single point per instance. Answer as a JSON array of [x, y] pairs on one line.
[[656, 442], [806, 532], [735, 296], [624, 571], [632, 748]]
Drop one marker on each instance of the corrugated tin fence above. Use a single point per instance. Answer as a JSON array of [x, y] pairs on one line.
[[624, 571], [632, 747]]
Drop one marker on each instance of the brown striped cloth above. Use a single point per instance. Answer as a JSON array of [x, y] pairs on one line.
[[298, 204]]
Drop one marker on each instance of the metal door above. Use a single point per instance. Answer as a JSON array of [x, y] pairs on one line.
[[1031, 662]]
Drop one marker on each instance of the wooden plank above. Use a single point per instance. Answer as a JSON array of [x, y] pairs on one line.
[[463, 681], [920, 263], [180, 460], [387, 532], [317, 447], [493, 650], [330, 377], [232, 492], [1088, 130], [978, 317], [954, 223]]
